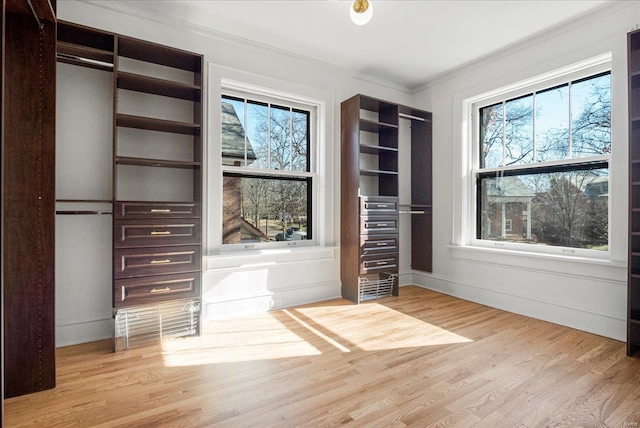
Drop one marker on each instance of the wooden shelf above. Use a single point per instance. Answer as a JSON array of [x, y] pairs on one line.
[[157, 54], [152, 85], [374, 150], [372, 126], [152, 124], [162, 163]]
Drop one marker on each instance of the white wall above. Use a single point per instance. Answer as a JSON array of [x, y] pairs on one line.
[[576, 293], [254, 281], [579, 293]]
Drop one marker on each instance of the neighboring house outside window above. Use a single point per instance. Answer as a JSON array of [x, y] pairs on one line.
[[542, 165], [267, 170]]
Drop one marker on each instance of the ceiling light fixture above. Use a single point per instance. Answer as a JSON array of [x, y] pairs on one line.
[[361, 12]]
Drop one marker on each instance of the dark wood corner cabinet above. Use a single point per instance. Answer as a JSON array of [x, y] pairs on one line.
[[370, 205], [157, 162], [633, 300], [28, 177]]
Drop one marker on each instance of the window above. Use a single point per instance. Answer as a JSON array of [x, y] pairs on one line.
[[542, 165], [267, 170]]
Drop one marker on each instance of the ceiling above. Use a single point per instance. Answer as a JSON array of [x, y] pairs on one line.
[[406, 42]]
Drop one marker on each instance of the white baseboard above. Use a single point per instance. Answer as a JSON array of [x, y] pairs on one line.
[[84, 331], [591, 320]]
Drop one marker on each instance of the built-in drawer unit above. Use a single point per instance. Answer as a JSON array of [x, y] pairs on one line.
[[132, 262], [379, 224], [378, 205], [154, 289], [376, 244], [129, 233], [387, 262], [156, 210]]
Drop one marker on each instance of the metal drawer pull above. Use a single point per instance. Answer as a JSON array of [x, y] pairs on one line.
[[381, 225], [381, 244], [381, 263], [155, 262], [158, 210], [160, 290], [164, 232], [382, 206]]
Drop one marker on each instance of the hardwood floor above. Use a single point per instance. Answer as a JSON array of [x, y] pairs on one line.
[[421, 359]]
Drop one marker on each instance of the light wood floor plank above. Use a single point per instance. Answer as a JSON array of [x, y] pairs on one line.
[[421, 359]]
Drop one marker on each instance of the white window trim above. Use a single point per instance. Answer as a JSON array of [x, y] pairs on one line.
[[317, 141], [470, 154]]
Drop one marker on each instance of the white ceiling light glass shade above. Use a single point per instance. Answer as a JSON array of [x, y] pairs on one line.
[[361, 12]]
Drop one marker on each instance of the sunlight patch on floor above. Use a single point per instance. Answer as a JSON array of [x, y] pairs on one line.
[[307, 331], [377, 328], [261, 337]]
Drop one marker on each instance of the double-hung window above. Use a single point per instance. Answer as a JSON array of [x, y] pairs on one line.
[[541, 165], [267, 169]]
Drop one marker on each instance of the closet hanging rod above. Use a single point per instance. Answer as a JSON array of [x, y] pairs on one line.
[[35, 15], [84, 212], [412, 117], [95, 201], [88, 61]]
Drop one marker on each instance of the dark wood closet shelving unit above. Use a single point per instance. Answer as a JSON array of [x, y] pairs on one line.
[[370, 210], [633, 297], [156, 243]]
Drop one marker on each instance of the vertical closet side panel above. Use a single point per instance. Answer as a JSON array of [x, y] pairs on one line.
[[28, 213], [421, 196]]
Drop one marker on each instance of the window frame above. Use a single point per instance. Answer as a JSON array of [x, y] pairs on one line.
[[575, 73], [251, 93]]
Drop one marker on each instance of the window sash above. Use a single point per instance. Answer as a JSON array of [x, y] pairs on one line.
[[503, 101], [279, 104], [308, 176], [593, 164]]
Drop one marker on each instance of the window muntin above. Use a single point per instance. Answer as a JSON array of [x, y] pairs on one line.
[[267, 171], [543, 163]]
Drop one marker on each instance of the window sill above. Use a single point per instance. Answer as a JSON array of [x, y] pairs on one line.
[[591, 268], [267, 257]]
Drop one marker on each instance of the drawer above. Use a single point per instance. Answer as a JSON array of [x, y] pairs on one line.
[[156, 210], [378, 205], [155, 289], [387, 262], [146, 233], [131, 262], [376, 244], [379, 224]]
